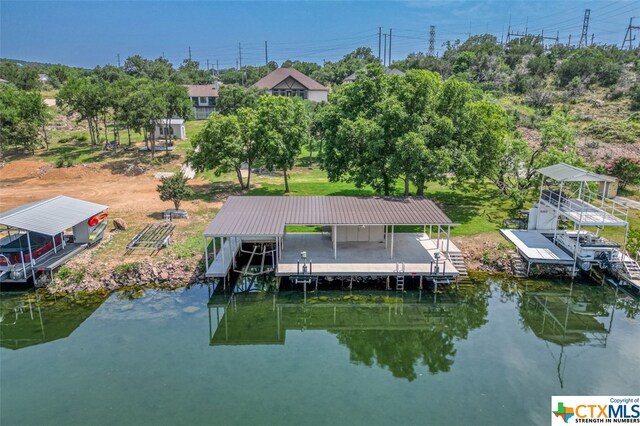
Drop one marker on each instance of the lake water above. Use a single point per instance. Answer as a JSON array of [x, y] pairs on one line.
[[490, 353]]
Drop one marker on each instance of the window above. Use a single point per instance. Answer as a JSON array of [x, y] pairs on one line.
[[203, 100], [160, 131]]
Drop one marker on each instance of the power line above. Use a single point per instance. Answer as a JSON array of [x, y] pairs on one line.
[[585, 28]]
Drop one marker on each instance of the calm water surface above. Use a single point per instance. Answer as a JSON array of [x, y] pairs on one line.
[[492, 353]]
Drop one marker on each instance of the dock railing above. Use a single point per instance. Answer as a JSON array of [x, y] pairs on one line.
[[584, 203]]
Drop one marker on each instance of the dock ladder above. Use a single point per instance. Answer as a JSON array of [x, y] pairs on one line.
[[399, 277]]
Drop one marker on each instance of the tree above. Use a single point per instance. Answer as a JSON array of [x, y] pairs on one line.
[[232, 97], [224, 145], [177, 103], [280, 130], [21, 117], [384, 127], [627, 170], [635, 98], [306, 68], [86, 96], [175, 189]]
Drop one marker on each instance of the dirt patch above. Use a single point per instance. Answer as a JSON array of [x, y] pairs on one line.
[[21, 169], [485, 252], [133, 198]]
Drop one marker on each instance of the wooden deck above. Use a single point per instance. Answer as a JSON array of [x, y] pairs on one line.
[[413, 252]]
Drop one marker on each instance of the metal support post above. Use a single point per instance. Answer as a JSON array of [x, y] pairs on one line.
[[392, 232]]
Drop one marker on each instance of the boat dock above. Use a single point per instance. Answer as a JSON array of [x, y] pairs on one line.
[[359, 238]]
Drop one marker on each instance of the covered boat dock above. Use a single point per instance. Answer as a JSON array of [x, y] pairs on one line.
[[355, 236], [41, 236]]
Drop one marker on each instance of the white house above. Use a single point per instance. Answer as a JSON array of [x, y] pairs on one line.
[[204, 98], [173, 127], [291, 82]]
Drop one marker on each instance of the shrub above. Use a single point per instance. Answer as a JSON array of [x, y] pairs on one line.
[[627, 170], [539, 98], [635, 98], [64, 272], [81, 138], [591, 65], [126, 268], [620, 131], [175, 189]]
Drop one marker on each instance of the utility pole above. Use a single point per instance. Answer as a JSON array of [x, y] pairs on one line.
[[384, 60], [189, 53], [629, 34], [118, 60], [390, 30], [379, 41], [266, 53], [217, 68], [432, 41], [240, 55], [592, 36], [526, 27], [207, 65], [569, 41], [585, 28]]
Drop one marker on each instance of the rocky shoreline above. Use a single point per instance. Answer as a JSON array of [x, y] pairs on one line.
[[168, 273]]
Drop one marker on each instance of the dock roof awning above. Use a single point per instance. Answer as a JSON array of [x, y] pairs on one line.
[[51, 216], [562, 172], [268, 216]]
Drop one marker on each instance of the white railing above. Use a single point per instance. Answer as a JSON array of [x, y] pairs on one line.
[[586, 205]]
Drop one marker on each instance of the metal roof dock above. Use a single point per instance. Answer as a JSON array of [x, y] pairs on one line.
[[50, 216]]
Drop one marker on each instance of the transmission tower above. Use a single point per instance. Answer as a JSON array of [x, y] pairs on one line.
[[432, 41], [628, 36], [585, 29]]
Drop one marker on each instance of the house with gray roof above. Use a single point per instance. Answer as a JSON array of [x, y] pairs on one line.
[[291, 82]]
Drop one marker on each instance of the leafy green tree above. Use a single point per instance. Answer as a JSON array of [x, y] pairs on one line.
[[175, 188], [335, 72], [232, 97], [591, 65], [627, 170], [224, 145], [21, 117], [280, 130], [86, 96], [306, 68]]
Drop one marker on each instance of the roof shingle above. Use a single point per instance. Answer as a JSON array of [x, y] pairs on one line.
[[277, 76]]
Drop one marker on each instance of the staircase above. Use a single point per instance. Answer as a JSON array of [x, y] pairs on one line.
[[518, 266], [457, 260], [632, 268]]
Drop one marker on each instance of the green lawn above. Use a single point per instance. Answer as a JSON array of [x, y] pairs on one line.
[[474, 210]]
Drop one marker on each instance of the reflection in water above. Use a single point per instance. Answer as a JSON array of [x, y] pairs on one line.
[[26, 320], [570, 317], [399, 331], [396, 332]]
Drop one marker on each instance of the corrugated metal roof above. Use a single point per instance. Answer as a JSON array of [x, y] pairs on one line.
[[52, 215], [562, 172], [278, 75], [267, 216]]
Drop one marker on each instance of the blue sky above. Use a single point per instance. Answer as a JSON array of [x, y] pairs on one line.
[[90, 33]]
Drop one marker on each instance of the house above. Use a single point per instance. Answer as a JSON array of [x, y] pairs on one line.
[[387, 70], [44, 78], [291, 82], [204, 98], [173, 127]]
